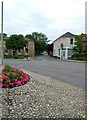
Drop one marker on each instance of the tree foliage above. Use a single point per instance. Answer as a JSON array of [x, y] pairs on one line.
[[40, 40], [4, 35], [16, 42], [78, 44]]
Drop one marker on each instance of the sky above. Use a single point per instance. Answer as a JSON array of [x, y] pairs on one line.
[[51, 17]]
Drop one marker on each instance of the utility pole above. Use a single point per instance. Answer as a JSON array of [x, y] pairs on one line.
[[2, 32]]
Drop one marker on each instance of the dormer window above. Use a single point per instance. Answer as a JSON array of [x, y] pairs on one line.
[[71, 41]]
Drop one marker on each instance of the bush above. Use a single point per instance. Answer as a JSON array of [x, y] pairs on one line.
[[16, 56], [8, 68], [8, 56], [13, 77], [79, 56]]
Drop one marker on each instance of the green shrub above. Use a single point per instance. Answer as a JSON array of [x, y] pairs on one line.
[[21, 57], [79, 56], [8, 68], [16, 56], [8, 56]]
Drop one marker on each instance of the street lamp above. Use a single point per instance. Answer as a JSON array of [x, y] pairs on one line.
[[61, 50], [2, 32], [27, 48]]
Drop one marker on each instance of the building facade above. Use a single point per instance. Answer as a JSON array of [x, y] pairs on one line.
[[62, 46], [84, 42], [28, 50]]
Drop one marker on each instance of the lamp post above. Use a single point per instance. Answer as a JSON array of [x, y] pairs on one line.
[[2, 32], [61, 51], [27, 48]]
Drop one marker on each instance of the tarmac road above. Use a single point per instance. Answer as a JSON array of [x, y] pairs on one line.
[[70, 72]]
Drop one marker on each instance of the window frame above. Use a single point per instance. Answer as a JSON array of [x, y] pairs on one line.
[[71, 41]]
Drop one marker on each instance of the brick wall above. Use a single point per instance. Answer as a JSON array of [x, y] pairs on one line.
[[31, 49]]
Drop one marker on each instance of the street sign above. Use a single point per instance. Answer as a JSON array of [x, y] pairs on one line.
[[61, 45]]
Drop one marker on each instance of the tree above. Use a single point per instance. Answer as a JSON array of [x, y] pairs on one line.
[[86, 46], [40, 40], [16, 42], [78, 44], [4, 35]]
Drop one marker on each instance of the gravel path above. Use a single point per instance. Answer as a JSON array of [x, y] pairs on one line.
[[44, 97]]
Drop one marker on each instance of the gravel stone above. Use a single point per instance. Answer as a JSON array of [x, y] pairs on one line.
[[43, 97]]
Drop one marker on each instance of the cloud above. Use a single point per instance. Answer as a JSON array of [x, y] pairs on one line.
[[52, 17]]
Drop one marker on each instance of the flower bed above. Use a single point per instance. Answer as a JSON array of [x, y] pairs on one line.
[[13, 77]]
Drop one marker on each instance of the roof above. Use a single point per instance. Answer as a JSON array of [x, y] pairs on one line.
[[84, 36], [5, 38], [68, 34], [27, 39]]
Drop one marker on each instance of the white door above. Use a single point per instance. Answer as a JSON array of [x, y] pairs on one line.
[[63, 54]]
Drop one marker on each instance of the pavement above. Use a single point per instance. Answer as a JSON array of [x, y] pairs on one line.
[[32, 58], [1, 93]]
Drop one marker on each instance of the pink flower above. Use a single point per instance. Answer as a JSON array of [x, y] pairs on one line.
[[0, 75], [20, 77], [19, 66], [1, 86], [15, 79], [1, 80], [19, 71]]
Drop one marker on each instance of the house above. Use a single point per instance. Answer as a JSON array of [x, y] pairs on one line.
[[28, 50], [4, 40], [84, 42], [62, 46]]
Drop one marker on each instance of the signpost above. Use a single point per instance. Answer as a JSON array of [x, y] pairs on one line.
[[27, 48], [2, 32], [62, 45], [61, 50]]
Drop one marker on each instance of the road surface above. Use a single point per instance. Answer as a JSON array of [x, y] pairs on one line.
[[70, 72]]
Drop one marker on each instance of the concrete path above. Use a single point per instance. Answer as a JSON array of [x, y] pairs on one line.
[[0, 103]]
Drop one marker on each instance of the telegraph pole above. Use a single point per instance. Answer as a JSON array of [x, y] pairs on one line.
[[2, 32]]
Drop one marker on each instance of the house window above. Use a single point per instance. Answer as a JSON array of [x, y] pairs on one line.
[[86, 38], [26, 51], [6, 52], [19, 50], [85, 44], [71, 41], [70, 53]]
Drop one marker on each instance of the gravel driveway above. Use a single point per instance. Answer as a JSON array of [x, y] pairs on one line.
[[44, 97]]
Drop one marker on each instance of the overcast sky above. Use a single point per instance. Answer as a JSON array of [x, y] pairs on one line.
[[51, 17]]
